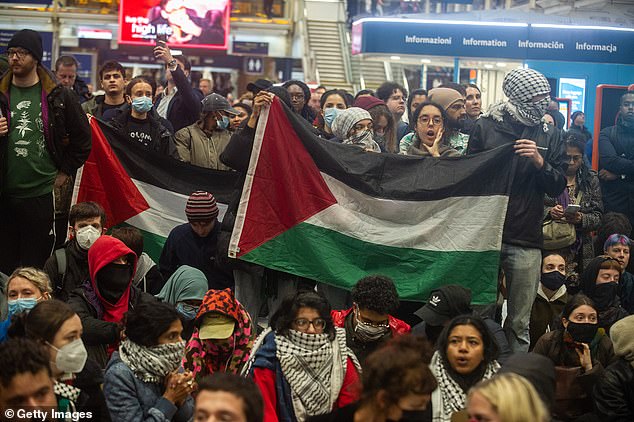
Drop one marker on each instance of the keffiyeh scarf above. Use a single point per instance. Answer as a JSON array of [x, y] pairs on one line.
[[151, 364]]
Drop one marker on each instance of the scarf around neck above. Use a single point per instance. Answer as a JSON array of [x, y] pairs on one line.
[[151, 364]]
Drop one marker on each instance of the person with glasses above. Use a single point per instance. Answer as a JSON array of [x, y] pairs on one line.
[[299, 93], [453, 102], [430, 137], [583, 189], [302, 364], [368, 322], [44, 139]]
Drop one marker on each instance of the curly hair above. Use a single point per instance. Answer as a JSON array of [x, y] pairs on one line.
[[282, 320], [38, 278], [19, 356], [376, 293], [385, 91]]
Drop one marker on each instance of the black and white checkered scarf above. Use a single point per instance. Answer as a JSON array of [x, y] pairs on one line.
[[315, 368], [151, 364], [520, 86]]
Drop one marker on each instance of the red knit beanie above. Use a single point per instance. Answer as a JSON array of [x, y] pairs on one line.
[[201, 206]]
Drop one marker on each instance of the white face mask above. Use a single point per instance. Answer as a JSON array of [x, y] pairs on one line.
[[71, 358], [86, 236]]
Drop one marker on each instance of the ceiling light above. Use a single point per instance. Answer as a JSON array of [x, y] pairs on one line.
[[395, 57], [425, 61], [500, 64], [488, 66]]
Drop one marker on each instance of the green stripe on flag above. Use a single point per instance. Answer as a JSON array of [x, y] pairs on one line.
[[328, 256]]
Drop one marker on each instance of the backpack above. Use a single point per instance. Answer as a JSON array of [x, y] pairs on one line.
[[62, 265]]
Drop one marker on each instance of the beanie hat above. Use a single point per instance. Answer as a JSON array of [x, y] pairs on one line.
[[201, 206], [29, 40], [346, 119], [444, 97], [366, 102]]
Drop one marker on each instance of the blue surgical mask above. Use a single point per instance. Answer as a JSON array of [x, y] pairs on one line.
[[330, 114], [187, 311], [21, 305], [223, 123], [142, 104]]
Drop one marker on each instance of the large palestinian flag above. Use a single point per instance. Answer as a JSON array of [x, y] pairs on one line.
[[144, 188], [334, 213]]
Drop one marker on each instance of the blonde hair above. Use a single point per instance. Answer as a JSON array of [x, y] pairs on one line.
[[513, 398], [38, 277]]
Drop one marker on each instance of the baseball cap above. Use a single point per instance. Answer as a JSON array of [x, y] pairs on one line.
[[445, 303], [216, 326], [216, 102]]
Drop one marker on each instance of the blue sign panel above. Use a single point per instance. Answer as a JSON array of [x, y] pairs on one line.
[[47, 44], [493, 40]]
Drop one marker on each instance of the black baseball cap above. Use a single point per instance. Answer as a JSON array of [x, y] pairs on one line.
[[444, 304], [259, 85]]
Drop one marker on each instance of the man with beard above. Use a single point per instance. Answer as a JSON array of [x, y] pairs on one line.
[[540, 171], [616, 160], [44, 138], [453, 103]]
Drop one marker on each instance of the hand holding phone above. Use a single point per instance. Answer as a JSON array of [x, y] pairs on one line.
[[572, 209], [161, 40]]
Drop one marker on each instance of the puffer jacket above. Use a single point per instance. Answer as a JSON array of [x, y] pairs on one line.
[[523, 224], [66, 130]]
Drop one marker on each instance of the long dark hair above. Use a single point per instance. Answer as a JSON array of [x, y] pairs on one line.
[[147, 321], [282, 319], [306, 112], [575, 140], [43, 322], [443, 114], [491, 349]]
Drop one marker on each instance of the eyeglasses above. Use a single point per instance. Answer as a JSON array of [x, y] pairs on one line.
[[317, 323], [425, 120], [297, 97], [574, 158], [20, 52]]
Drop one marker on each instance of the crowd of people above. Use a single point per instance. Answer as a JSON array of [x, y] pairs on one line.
[[93, 326]]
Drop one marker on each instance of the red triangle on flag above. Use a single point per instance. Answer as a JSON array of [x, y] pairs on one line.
[[104, 180], [287, 186]]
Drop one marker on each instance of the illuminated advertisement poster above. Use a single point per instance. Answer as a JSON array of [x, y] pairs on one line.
[[184, 24]]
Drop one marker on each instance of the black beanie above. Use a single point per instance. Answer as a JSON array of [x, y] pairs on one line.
[[29, 40]]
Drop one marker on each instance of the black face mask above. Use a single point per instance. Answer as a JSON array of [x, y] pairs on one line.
[[553, 280], [113, 280], [604, 295], [582, 332]]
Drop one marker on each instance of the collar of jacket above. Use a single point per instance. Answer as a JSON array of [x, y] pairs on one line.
[[46, 78], [558, 294]]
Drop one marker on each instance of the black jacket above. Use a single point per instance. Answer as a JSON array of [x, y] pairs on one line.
[[614, 393], [616, 154], [67, 133], [76, 271], [523, 225], [184, 109]]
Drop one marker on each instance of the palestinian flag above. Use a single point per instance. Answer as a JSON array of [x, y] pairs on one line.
[[335, 213], [143, 188]]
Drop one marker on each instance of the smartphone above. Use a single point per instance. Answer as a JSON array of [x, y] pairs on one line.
[[572, 209], [161, 38]]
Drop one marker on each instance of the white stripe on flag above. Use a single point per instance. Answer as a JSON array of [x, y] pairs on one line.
[[415, 224]]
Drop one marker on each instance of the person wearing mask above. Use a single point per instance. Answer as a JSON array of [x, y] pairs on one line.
[[332, 103], [300, 94], [223, 336], [430, 136], [446, 303], [416, 98], [369, 323], [396, 384], [223, 396], [517, 122], [195, 243], [141, 382], [202, 143], [77, 380], [394, 96], [600, 282], [185, 290], [302, 364], [466, 354], [353, 126], [112, 80], [618, 246], [67, 268], [614, 392], [106, 296], [138, 122], [551, 298], [180, 102], [583, 189], [382, 122], [238, 121], [616, 160], [506, 398], [25, 288], [453, 103], [147, 276], [580, 350]]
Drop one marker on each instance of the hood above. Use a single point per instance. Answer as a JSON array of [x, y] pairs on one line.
[[221, 301], [186, 283], [622, 336], [105, 250]]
